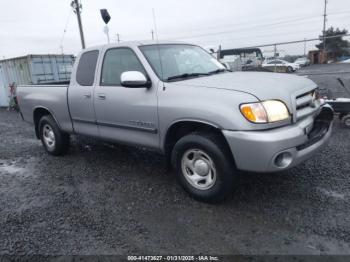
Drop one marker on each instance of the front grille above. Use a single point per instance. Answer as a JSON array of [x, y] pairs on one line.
[[306, 104]]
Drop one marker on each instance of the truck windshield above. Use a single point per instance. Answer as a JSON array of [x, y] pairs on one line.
[[176, 62]]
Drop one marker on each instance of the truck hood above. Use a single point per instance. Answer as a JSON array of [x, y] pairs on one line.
[[262, 85]]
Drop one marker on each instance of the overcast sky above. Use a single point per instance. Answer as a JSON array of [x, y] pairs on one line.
[[37, 26]]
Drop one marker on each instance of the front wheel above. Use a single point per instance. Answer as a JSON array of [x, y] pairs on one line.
[[204, 167], [53, 139]]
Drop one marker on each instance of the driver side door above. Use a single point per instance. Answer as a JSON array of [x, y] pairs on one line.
[[125, 115]]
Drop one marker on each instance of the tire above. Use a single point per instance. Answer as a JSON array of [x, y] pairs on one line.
[[55, 142], [204, 157], [346, 120], [290, 69]]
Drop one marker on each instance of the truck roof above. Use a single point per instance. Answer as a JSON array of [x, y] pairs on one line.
[[134, 44]]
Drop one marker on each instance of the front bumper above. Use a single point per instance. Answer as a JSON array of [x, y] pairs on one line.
[[280, 148]]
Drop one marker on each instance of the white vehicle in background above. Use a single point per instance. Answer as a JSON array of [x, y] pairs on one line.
[[347, 61], [302, 61], [281, 65]]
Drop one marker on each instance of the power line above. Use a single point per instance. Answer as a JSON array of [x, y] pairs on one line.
[[341, 12], [265, 35], [249, 27], [290, 21], [258, 21], [297, 41], [232, 40]]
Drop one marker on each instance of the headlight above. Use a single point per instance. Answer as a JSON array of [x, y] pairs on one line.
[[265, 112]]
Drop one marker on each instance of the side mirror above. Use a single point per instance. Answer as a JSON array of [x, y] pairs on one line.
[[134, 79]]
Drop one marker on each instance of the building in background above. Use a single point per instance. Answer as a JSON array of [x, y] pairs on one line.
[[318, 56], [33, 69]]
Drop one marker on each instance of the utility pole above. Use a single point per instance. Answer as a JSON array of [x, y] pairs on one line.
[[324, 24], [304, 46], [77, 9], [152, 32], [118, 38], [275, 55]]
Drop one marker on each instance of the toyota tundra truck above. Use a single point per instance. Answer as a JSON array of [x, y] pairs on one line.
[[177, 99]]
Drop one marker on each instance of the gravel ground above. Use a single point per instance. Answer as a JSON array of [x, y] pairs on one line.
[[110, 199]]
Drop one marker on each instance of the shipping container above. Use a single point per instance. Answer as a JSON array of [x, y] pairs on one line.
[[33, 69]]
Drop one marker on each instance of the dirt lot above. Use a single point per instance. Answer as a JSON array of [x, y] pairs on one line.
[[105, 199]]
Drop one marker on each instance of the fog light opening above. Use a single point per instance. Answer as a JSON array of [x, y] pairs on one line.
[[283, 160]]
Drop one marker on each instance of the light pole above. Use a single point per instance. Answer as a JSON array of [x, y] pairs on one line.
[[106, 18], [106, 31]]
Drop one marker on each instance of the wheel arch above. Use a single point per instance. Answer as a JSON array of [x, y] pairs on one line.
[[38, 113], [181, 128]]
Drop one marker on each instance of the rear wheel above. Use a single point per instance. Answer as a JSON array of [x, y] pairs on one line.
[[204, 167], [53, 139], [290, 69]]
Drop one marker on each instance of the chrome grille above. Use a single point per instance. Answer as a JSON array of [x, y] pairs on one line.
[[307, 104]]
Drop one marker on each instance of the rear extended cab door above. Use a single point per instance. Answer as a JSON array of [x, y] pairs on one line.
[[81, 91]]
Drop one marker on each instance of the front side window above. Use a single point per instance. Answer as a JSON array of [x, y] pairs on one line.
[[86, 68], [171, 60], [116, 62]]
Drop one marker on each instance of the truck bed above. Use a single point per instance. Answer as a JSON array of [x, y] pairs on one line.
[[51, 97]]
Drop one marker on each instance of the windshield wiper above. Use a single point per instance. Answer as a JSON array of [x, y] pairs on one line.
[[219, 71], [186, 75]]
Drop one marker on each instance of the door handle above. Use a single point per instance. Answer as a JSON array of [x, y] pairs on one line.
[[87, 95], [101, 96]]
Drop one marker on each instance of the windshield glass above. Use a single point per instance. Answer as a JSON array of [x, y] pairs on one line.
[[179, 61]]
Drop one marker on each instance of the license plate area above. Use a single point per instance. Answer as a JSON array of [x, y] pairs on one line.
[[308, 129]]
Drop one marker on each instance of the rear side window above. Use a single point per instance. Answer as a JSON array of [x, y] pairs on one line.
[[116, 62], [86, 68]]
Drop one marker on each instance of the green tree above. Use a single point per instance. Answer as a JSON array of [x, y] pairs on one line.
[[336, 45]]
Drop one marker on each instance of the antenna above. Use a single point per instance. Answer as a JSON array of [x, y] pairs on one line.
[[157, 40], [65, 31], [155, 23]]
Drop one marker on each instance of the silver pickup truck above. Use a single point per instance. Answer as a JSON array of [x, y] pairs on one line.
[[177, 99]]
